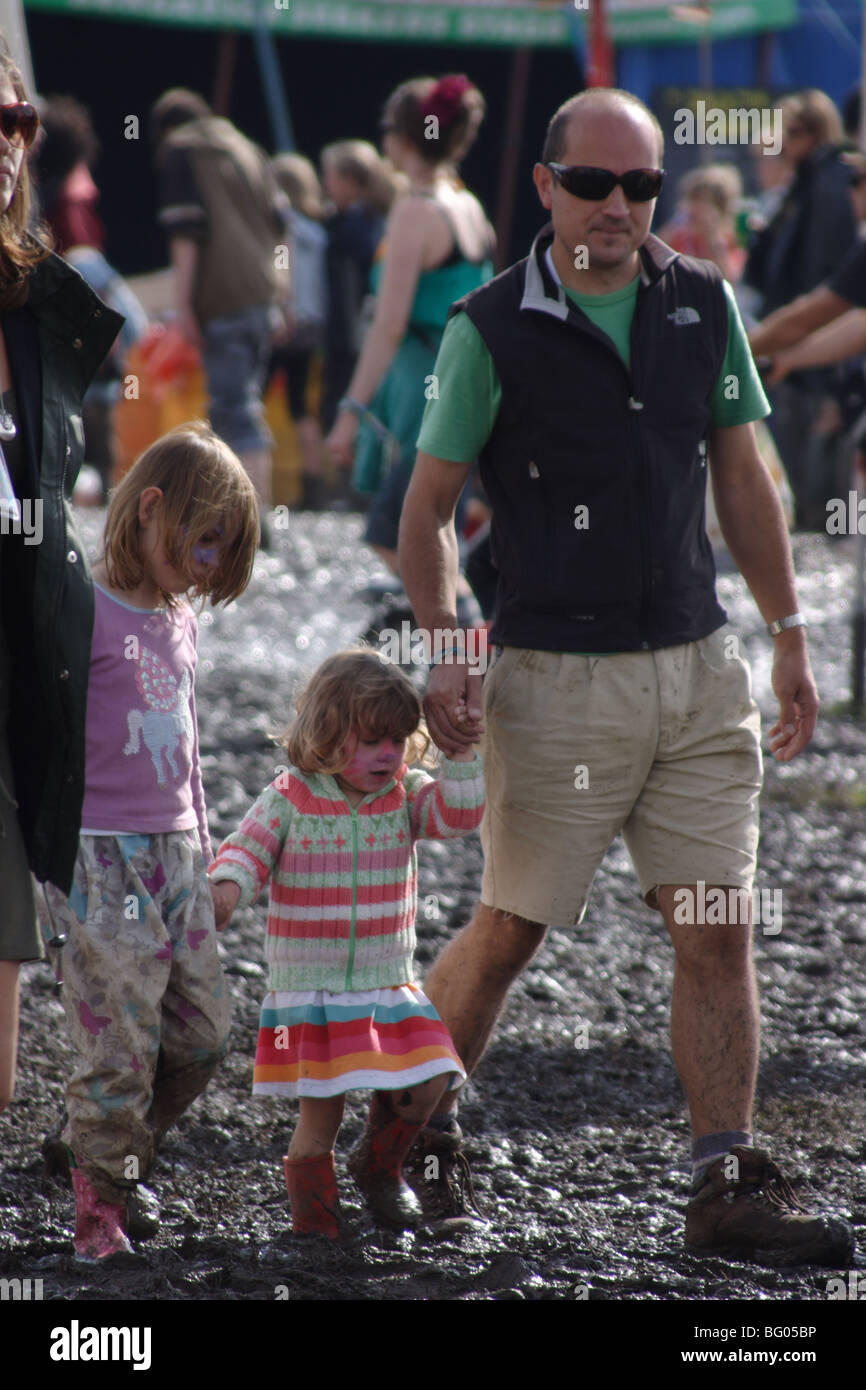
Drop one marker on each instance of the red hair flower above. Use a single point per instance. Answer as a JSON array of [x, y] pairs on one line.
[[443, 101]]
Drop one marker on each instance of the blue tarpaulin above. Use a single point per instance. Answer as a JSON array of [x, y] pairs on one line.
[[822, 51]]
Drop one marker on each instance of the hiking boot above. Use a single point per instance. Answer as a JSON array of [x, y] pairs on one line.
[[375, 1165], [312, 1189], [742, 1205], [437, 1170], [99, 1225]]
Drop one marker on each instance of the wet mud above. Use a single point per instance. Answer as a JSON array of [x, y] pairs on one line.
[[576, 1125]]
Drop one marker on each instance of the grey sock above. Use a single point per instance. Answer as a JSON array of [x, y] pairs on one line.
[[712, 1146]]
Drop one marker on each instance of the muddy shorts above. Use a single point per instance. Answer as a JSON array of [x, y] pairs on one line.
[[144, 995], [662, 746]]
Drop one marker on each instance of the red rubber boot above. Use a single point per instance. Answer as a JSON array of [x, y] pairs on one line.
[[376, 1165], [312, 1188]]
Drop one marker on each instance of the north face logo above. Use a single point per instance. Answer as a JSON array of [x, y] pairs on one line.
[[685, 315]]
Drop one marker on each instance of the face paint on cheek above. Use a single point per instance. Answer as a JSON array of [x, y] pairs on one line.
[[363, 762], [373, 763], [205, 554]]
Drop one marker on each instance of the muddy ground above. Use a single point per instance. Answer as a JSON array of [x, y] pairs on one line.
[[579, 1153]]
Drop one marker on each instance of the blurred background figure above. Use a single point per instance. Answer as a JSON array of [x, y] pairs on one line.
[[360, 188], [305, 313], [223, 214], [438, 247], [61, 161], [704, 223], [66, 153], [812, 229]]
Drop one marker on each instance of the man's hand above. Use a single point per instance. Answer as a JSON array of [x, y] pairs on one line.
[[453, 707], [225, 899], [798, 697]]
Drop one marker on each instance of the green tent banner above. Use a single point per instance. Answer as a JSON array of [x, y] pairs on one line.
[[472, 22]]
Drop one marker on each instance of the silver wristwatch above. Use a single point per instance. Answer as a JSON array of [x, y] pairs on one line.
[[795, 620]]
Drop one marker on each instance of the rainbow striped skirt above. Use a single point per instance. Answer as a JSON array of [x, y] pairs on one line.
[[312, 1043]]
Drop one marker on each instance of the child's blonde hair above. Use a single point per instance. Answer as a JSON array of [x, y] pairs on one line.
[[361, 162], [203, 485], [298, 179], [353, 693]]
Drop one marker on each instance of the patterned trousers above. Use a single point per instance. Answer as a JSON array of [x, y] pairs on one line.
[[144, 995]]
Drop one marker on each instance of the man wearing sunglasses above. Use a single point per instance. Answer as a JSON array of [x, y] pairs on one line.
[[590, 380]]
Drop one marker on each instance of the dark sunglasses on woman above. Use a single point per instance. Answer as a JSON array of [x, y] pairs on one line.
[[19, 123], [584, 181]]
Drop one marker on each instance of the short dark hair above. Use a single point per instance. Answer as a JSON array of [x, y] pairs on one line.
[[557, 130], [175, 107]]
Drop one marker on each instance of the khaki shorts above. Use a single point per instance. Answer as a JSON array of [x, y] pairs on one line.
[[663, 746]]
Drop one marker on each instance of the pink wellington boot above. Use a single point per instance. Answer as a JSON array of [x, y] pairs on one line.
[[98, 1225]]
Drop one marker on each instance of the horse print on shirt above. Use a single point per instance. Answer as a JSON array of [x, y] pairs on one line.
[[167, 719]]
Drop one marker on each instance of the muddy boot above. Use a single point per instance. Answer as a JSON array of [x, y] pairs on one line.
[[375, 1164], [312, 1188], [743, 1206], [99, 1225], [437, 1170], [143, 1214]]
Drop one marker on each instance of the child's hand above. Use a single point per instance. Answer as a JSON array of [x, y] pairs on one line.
[[463, 755], [225, 899]]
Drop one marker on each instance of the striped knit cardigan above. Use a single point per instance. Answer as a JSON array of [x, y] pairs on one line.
[[344, 879]]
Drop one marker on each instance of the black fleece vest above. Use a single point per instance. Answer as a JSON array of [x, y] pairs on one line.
[[597, 475]]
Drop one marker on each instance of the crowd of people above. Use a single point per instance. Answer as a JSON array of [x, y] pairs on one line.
[[583, 394]]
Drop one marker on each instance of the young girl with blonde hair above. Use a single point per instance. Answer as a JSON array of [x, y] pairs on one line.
[[143, 989], [335, 834]]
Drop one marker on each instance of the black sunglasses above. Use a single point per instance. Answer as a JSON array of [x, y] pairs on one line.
[[583, 181], [19, 123]]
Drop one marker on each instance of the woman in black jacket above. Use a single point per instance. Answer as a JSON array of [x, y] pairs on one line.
[[54, 333]]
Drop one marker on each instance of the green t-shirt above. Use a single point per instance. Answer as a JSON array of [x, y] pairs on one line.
[[458, 422]]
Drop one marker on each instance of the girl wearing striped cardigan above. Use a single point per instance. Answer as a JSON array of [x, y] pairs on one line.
[[335, 836]]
